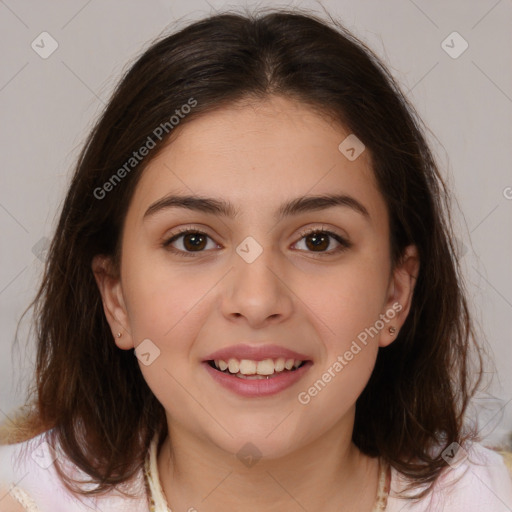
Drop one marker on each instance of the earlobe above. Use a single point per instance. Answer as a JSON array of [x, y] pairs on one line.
[[109, 285], [400, 294]]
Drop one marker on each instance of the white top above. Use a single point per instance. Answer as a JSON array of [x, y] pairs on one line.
[[481, 483]]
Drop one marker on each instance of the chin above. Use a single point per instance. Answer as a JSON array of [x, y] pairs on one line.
[[258, 444]]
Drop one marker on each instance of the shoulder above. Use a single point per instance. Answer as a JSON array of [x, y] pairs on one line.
[[28, 475], [8, 503], [476, 480], [14, 499]]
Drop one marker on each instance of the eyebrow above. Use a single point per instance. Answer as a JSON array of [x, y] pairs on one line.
[[226, 209]]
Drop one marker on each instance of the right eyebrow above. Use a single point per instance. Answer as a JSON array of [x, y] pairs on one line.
[[195, 203]]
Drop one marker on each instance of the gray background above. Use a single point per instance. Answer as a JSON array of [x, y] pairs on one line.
[[48, 106]]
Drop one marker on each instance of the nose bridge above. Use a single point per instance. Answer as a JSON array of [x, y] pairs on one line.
[[257, 289]]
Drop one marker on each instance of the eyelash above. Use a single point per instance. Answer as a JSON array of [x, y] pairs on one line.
[[344, 244]]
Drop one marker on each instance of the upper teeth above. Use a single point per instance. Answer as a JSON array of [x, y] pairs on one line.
[[264, 367]]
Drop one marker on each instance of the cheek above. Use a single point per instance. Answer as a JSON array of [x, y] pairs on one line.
[[351, 299], [351, 309], [168, 307], [345, 317], [159, 296], [333, 392]]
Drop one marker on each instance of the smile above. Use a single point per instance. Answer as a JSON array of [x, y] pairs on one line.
[[253, 379], [250, 369]]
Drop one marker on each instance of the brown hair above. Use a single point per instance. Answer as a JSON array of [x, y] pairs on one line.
[[92, 395]]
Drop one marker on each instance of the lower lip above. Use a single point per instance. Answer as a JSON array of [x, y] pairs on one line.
[[258, 387]]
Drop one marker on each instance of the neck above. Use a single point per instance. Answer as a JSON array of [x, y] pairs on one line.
[[329, 474]]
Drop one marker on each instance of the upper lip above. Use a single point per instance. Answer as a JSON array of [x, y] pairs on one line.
[[256, 353]]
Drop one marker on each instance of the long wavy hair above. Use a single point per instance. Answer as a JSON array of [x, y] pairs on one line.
[[90, 397]]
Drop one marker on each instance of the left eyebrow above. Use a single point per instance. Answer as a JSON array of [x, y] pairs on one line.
[[227, 209]]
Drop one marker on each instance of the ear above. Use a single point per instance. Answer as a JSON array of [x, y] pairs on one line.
[[400, 292], [109, 284]]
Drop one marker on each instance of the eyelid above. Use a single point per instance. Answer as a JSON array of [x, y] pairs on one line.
[[341, 239], [166, 244], [183, 230], [321, 229]]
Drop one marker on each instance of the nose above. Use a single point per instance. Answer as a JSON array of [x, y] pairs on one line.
[[258, 292]]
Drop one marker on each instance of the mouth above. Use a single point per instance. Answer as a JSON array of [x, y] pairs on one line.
[[256, 370], [250, 378]]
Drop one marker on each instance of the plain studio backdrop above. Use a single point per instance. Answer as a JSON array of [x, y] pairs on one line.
[[61, 60]]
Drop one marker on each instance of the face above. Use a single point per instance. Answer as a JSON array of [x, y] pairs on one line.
[[256, 284]]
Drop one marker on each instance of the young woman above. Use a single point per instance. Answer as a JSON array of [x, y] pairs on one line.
[[252, 299]]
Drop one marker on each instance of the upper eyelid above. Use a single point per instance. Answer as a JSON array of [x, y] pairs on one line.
[[303, 233], [320, 229]]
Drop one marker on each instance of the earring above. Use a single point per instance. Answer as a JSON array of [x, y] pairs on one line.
[[392, 330], [119, 334]]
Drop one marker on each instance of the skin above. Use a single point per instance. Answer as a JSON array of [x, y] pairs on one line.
[[8, 503], [258, 156]]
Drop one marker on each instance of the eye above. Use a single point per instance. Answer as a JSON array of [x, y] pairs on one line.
[[192, 241], [319, 240]]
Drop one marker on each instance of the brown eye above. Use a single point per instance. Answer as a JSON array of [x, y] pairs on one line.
[[190, 240], [319, 241], [194, 241]]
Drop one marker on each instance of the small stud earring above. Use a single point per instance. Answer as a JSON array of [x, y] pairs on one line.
[[392, 330], [119, 334]]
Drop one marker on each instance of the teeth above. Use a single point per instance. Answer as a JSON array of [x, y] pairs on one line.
[[279, 366], [266, 367], [251, 377], [288, 364], [247, 367], [233, 365]]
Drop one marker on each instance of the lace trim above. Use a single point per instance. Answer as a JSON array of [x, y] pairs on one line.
[[23, 498], [156, 498], [383, 488], [158, 503]]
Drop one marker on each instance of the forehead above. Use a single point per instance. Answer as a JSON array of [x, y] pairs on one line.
[[257, 155]]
